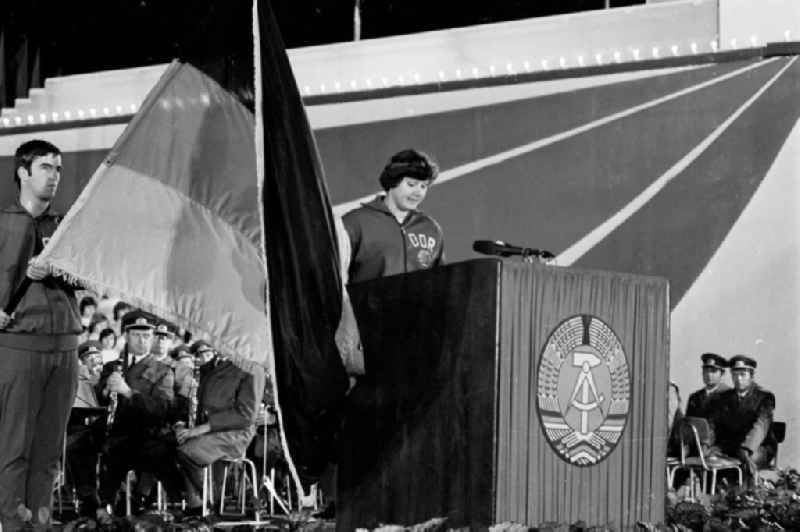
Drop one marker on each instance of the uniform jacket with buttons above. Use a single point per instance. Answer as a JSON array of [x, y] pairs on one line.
[[382, 246], [701, 402], [151, 404], [745, 422], [47, 317], [228, 397]]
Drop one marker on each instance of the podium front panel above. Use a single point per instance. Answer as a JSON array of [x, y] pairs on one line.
[[583, 374]]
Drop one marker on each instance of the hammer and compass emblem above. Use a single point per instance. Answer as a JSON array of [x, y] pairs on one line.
[[583, 391]]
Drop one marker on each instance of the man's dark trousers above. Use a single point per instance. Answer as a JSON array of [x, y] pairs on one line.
[[36, 394]]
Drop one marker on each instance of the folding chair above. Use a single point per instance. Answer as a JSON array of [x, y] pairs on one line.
[[693, 433]]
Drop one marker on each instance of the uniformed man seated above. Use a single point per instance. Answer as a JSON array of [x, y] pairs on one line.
[[85, 430], [91, 362], [227, 402], [163, 338], [714, 367], [742, 418], [185, 380], [139, 389]]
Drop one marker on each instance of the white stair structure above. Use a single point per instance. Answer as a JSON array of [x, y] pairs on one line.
[[621, 35]]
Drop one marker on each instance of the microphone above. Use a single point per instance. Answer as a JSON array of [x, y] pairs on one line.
[[503, 249]]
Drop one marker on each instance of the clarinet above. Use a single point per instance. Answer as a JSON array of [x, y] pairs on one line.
[[193, 399], [112, 408]]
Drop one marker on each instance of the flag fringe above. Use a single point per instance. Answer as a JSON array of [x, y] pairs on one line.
[[197, 329]]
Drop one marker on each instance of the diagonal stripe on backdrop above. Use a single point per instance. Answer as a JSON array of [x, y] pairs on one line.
[[579, 248], [474, 166], [678, 232]]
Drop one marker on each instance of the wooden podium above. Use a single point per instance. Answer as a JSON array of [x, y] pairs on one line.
[[502, 391]]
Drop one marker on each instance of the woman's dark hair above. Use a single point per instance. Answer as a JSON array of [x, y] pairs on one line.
[[85, 302], [120, 306], [408, 163], [107, 332], [97, 317]]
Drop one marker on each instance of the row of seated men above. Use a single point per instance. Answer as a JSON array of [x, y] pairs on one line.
[[740, 416], [164, 418]]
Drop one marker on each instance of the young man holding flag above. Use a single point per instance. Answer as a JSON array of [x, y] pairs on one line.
[[38, 343]]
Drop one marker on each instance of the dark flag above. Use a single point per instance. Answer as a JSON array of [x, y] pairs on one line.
[[305, 290]]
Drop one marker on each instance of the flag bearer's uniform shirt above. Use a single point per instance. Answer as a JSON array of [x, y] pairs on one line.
[[383, 246]]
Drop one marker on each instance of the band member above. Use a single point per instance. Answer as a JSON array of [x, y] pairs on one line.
[[91, 364], [86, 431], [163, 338], [714, 367], [203, 352], [139, 390], [185, 380], [389, 235], [227, 403], [742, 418], [38, 343]]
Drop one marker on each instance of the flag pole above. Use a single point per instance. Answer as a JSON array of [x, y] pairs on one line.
[[17, 296]]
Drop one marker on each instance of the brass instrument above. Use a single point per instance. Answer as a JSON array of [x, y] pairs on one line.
[[193, 399], [113, 396]]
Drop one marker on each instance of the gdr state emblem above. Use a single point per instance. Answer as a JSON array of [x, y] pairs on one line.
[[583, 390]]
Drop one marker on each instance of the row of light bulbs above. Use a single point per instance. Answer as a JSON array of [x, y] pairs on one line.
[[67, 116], [599, 59], [544, 65]]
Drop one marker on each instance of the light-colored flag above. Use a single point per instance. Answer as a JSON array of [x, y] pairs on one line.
[[170, 222]]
